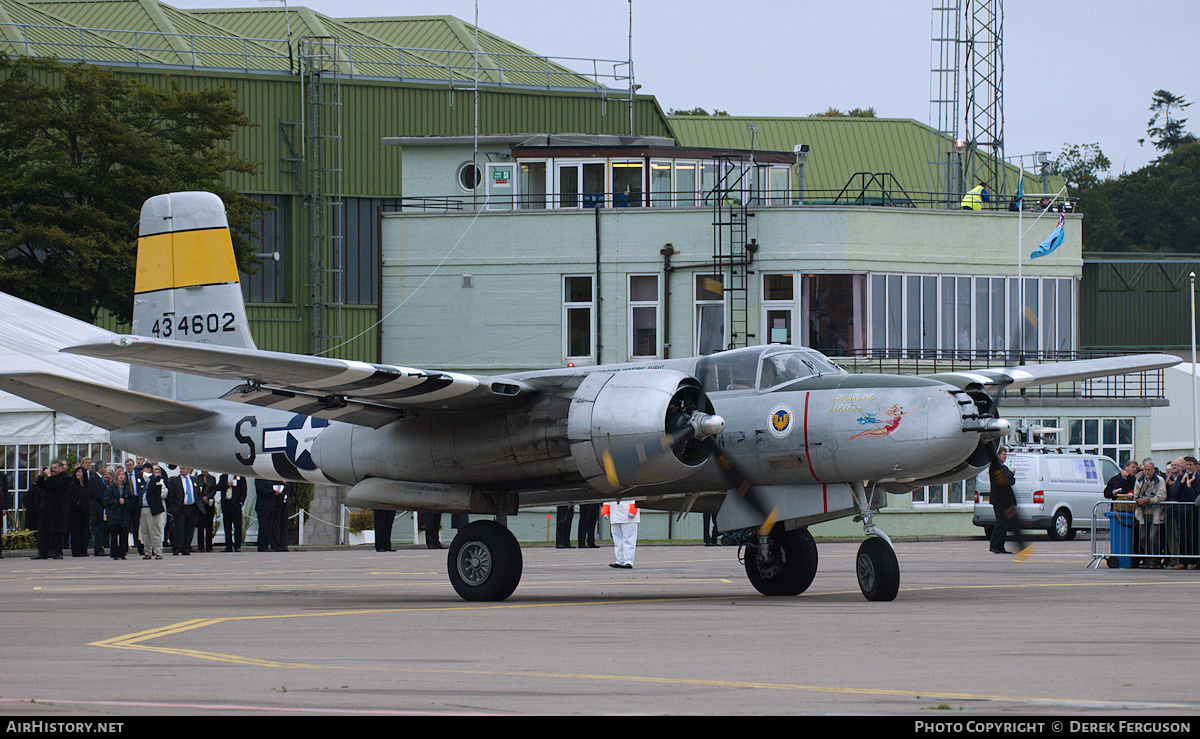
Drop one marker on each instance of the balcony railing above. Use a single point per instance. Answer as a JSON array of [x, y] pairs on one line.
[[697, 199]]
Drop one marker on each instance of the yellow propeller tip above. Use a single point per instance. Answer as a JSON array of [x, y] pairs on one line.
[[769, 524], [1023, 555], [610, 470]]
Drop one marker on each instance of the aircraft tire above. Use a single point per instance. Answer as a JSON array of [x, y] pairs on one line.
[[484, 562], [798, 553], [878, 570]]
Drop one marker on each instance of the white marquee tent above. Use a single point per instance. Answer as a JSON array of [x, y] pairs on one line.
[[1172, 430], [30, 337]]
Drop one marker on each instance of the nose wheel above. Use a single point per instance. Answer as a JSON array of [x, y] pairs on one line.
[[877, 569]]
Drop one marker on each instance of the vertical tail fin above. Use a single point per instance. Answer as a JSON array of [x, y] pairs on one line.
[[186, 288]]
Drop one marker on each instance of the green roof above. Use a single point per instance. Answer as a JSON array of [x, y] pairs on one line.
[[254, 39], [839, 148], [161, 34]]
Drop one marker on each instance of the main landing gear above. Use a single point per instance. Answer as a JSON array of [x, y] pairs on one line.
[[783, 563], [484, 561]]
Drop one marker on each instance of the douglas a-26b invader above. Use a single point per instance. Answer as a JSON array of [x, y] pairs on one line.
[[770, 438]]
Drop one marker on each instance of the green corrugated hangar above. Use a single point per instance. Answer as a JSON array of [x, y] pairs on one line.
[[429, 177]]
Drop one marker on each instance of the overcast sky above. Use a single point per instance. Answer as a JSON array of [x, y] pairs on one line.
[[1074, 72]]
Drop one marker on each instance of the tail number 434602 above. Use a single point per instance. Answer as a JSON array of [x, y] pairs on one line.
[[193, 325]]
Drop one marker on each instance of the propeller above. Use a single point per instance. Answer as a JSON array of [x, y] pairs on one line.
[[691, 436], [992, 427], [741, 483]]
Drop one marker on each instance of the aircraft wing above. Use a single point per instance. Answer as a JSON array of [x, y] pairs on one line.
[[1050, 373], [317, 386], [100, 405]]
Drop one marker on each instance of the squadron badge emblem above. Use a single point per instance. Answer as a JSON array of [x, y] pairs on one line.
[[781, 421]]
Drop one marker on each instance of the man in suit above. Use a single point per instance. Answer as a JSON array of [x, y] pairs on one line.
[[589, 519], [55, 495], [283, 494], [231, 491], [264, 506], [208, 511], [562, 531], [93, 482], [3, 507], [184, 505], [431, 523], [383, 529], [134, 476]]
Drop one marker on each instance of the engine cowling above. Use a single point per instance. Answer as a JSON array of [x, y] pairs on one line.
[[630, 417]]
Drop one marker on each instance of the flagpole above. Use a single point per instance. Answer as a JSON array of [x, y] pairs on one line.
[[1195, 420], [1021, 311], [1020, 282]]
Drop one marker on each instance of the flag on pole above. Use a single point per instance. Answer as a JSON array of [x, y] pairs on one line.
[[1018, 202], [1057, 236]]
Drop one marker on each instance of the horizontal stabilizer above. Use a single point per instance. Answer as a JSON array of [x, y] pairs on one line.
[[1050, 373], [375, 384], [100, 405]]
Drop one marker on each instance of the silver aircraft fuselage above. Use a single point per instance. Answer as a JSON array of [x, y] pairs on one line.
[[828, 427]]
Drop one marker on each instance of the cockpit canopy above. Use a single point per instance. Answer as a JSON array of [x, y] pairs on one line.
[[761, 367]]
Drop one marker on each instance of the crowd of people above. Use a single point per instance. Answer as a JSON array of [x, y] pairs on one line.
[[1163, 504], [100, 508]]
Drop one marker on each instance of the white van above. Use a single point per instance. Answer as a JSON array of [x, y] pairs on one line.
[[1056, 490]]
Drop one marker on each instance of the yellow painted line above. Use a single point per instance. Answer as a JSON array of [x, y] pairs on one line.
[[140, 641], [135, 641]]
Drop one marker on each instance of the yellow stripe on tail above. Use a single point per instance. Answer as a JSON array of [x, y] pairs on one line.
[[185, 259]]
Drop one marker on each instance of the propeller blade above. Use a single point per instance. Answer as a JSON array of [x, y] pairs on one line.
[[741, 483]]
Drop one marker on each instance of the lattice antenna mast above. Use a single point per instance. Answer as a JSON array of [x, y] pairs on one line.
[[945, 66], [983, 149]]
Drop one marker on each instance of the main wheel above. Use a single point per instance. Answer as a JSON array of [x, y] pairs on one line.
[[790, 565], [484, 562], [878, 570]]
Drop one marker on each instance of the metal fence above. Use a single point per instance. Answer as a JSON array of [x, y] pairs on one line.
[[1153, 536], [678, 198]]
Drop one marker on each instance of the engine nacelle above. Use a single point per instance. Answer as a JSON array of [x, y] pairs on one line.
[[628, 417]]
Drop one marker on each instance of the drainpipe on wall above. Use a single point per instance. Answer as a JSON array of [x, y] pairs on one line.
[[667, 251], [599, 322]]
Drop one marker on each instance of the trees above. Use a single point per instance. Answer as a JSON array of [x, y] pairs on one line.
[[1155, 209], [1080, 165], [832, 112], [80, 150], [1163, 131], [697, 111], [1151, 210]]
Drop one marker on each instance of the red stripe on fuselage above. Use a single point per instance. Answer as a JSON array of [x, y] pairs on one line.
[[808, 456]]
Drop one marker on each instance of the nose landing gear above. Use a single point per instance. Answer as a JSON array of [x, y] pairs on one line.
[[876, 565]]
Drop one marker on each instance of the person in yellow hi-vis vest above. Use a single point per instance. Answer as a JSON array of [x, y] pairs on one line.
[[623, 517], [976, 197]]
